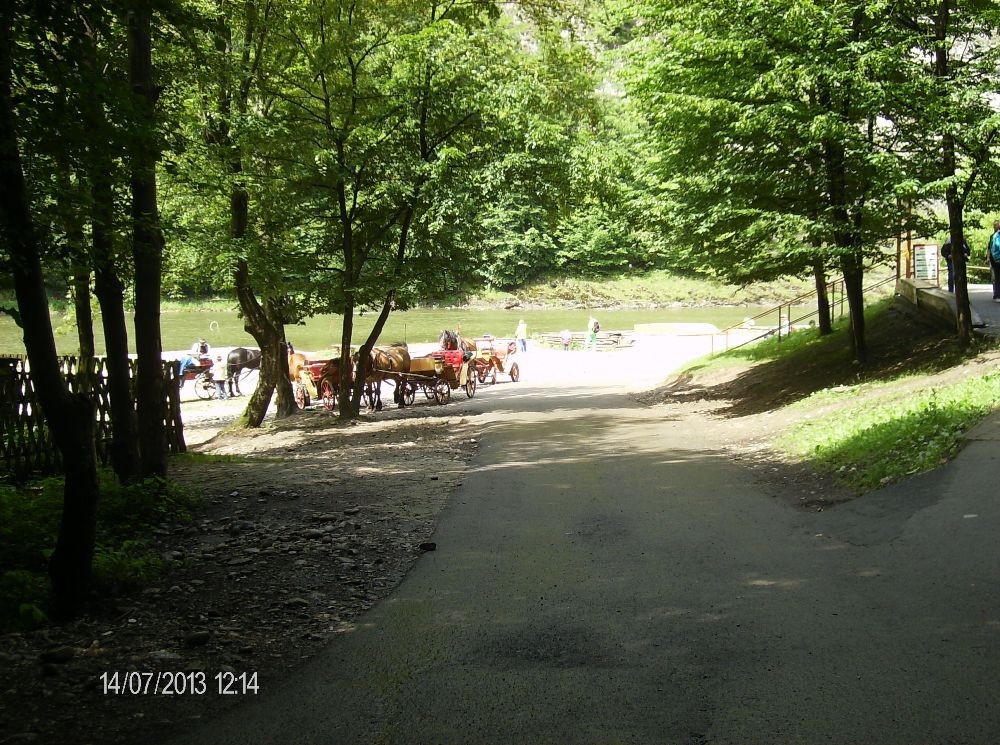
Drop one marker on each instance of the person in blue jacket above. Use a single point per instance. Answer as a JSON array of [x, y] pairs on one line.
[[993, 254]]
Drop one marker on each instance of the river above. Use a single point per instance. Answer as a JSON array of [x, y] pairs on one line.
[[225, 329]]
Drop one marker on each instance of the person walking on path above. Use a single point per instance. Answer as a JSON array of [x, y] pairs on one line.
[[219, 372], [522, 336], [567, 338], [993, 254], [593, 326], [946, 252]]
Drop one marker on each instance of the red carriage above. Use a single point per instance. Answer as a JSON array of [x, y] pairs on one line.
[[493, 356], [200, 371]]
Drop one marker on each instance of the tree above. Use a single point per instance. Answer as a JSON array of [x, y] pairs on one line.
[[391, 112], [768, 119], [147, 242], [946, 119], [70, 417]]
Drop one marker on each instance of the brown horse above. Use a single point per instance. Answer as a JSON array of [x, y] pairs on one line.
[[453, 340], [329, 383], [296, 362], [385, 363]]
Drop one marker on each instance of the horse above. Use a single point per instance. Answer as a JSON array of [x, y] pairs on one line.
[[385, 363], [240, 359], [296, 363], [450, 340]]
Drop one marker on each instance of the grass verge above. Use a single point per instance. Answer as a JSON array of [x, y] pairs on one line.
[[869, 444], [903, 413]]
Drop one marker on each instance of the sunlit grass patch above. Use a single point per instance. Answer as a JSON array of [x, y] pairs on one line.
[[872, 444]]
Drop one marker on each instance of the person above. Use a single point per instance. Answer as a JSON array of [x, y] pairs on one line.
[[593, 326], [567, 337], [219, 373], [993, 254], [946, 252], [200, 349], [291, 349], [521, 335]]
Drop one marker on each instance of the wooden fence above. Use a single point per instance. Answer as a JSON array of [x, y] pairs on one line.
[[26, 445], [606, 341]]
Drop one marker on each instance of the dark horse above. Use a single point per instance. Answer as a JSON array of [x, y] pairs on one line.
[[240, 359], [450, 340]]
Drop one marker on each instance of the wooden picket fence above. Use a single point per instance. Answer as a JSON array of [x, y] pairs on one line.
[[26, 445]]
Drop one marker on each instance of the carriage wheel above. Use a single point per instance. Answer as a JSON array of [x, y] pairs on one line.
[[470, 384], [409, 393], [515, 373], [204, 386], [429, 392], [442, 391], [328, 393]]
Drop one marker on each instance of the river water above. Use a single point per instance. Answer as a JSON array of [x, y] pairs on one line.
[[225, 329]]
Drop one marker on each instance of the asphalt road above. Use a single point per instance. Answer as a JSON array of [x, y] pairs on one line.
[[604, 576]]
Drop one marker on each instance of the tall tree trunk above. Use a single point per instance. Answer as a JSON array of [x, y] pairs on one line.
[[352, 381], [110, 293], [854, 276], [147, 247], [274, 354], [108, 286], [956, 207], [845, 239], [70, 418], [822, 299], [81, 307]]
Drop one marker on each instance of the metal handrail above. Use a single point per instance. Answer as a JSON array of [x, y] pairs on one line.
[[777, 329], [831, 287]]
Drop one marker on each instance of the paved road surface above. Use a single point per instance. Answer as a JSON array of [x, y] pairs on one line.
[[605, 576], [981, 299]]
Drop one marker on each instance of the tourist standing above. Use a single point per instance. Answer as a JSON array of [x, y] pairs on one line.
[[946, 252], [993, 254], [522, 336], [220, 371]]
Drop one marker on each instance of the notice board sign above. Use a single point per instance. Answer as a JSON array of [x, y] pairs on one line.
[[925, 261]]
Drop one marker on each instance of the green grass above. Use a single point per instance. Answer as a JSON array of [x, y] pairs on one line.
[[124, 559], [871, 444], [659, 288], [802, 342]]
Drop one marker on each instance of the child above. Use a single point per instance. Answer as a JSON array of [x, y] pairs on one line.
[[567, 337]]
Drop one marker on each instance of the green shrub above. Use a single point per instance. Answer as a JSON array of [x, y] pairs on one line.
[[123, 557]]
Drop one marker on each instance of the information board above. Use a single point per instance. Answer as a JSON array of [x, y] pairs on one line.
[[925, 261]]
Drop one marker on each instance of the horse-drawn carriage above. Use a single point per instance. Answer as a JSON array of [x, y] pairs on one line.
[[200, 371], [314, 379], [438, 374], [494, 356]]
